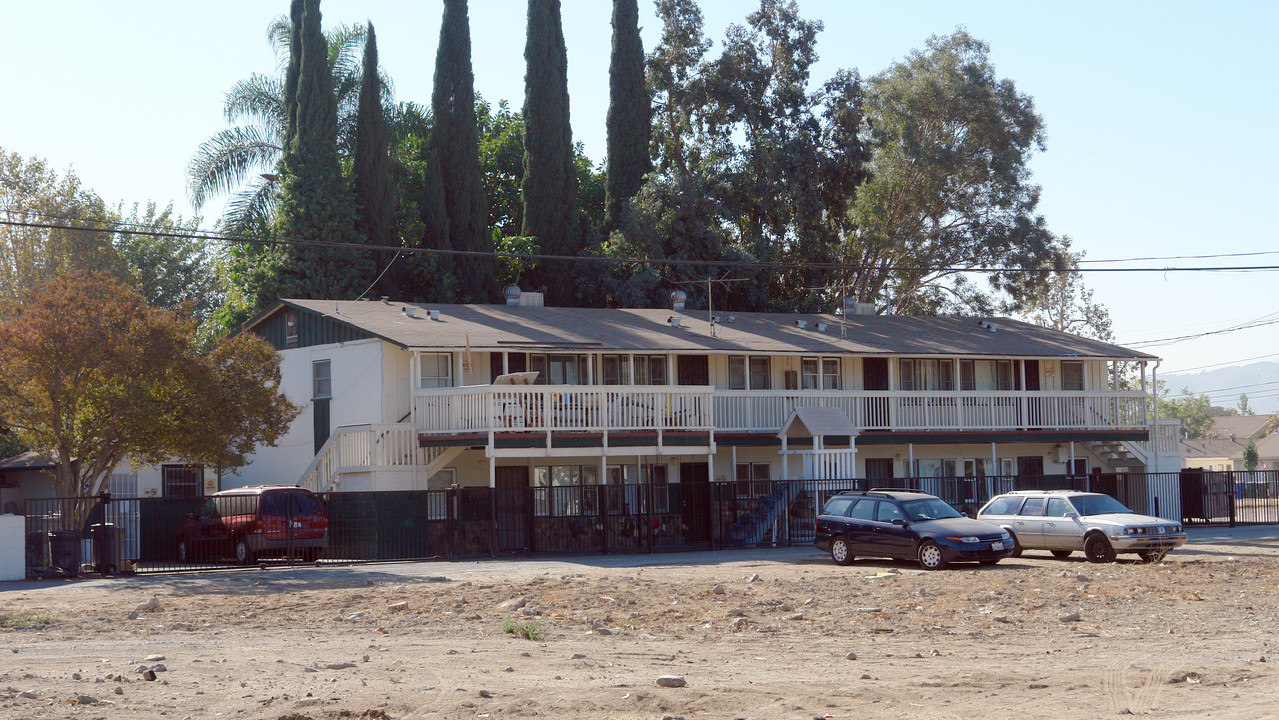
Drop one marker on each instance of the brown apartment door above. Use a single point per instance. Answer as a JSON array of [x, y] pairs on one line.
[[693, 370], [514, 508], [1030, 466], [695, 501], [875, 377], [1034, 405], [878, 472]]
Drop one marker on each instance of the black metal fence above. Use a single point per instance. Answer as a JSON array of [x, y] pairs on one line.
[[69, 536]]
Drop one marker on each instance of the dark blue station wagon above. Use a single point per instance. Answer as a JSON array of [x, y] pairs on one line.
[[908, 526]]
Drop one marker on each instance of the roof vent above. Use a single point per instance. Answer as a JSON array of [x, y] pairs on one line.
[[512, 295], [385, 299], [409, 312], [732, 319], [532, 299], [801, 324], [987, 325], [821, 327], [678, 298], [675, 321], [853, 307], [435, 314]]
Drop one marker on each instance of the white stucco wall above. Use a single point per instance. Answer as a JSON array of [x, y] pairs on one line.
[[359, 396], [12, 547]]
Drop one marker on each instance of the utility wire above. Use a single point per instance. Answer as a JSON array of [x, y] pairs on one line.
[[761, 264]]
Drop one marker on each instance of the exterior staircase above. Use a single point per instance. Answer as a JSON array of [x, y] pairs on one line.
[[383, 453], [750, 528]]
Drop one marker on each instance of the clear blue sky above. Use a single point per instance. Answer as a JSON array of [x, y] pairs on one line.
[[1159, 114]]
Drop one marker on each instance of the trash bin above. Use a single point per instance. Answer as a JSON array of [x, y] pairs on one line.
[[64, 550], [106, 547], [37, 553]]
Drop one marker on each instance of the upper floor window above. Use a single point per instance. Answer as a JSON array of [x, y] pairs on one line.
[[436, 370], [650, 369], [819, 374], [559, 369], [985, 375], [927, 374], [1072, 375], [291, 336], [753, 372], [321, 379]]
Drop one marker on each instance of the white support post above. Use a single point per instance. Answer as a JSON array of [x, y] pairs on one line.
[[1071, 469], [590, 369], [994, 461], [785, 460], [910, 454], [492, 471], [506, 361], [458, 380], [670, 369]]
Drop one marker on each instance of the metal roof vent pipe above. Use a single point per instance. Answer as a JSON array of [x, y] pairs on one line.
[[512, 295], [678, 298], [853, 307]]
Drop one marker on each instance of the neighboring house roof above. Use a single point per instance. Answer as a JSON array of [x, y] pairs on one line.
[[1242, 426], [1215, 448], [516, 328], [25, 461]]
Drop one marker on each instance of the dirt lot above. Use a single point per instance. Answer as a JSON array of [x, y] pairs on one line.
[[781, 634]]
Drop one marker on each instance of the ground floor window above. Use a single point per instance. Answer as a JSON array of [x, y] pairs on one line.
[[182, 481], [748, 474]]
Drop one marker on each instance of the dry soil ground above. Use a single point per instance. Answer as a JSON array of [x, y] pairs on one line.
[[780, 634]]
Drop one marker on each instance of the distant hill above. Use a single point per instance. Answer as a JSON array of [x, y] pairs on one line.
[[1224, 385]]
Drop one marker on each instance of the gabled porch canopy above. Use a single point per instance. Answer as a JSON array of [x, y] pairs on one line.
[[818, 423], [820, 463]]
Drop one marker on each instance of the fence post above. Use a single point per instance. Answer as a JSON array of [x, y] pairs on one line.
[[1231, 497]]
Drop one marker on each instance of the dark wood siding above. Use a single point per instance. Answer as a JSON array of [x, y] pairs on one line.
[[313, 329]]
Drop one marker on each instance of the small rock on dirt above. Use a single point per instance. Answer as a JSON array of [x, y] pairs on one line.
[[150, 605], [398, 606], [153, 658], [851, 656], [753, 578], [671, 681], [718, 590], [86, 700], [1071, 617], [513, 604]]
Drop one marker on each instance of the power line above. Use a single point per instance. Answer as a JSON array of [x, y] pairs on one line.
[[759, 264], [1183, 257], [1222, 364]]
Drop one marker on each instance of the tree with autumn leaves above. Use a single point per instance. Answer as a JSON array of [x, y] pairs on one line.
[[90, 375]]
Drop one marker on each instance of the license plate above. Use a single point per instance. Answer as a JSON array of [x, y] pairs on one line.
[[997, 546], [297, 523]]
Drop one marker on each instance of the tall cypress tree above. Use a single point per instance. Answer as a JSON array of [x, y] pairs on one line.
[[629, 112], [455, 141], [550, 176], [291, 75], [316, 203], [374, 203]]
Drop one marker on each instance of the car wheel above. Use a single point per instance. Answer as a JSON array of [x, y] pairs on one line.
[[930, 556], [1152, 556], [1061, 553], [1098, 549], [840, 552], [243, 554], [1016, 545], [184, 551]]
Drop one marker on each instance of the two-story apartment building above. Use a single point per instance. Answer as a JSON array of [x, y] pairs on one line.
[[417, 396]]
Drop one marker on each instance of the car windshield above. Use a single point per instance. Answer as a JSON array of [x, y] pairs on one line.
[[1098, 505], [929, 509]]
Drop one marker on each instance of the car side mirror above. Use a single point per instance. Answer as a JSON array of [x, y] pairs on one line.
[[1071, 514], [899, 521]]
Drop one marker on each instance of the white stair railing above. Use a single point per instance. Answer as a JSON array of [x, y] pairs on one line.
[[361, 448]]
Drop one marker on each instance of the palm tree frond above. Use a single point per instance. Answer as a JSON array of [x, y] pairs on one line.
[[226, 161]]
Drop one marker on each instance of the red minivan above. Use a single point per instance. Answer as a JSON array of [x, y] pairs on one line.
[[253, 522]]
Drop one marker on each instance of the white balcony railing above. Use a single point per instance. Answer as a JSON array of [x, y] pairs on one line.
[[755, 411], [624, 407], [488, 408]]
